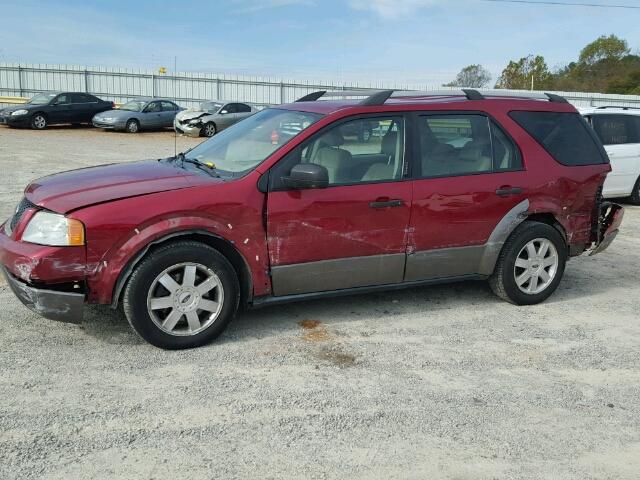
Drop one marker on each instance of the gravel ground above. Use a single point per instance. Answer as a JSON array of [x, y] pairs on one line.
[[438, 382]]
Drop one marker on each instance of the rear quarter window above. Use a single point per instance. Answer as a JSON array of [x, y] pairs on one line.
[[566, 136]]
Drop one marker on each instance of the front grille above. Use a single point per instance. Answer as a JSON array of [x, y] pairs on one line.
[[23, 206]]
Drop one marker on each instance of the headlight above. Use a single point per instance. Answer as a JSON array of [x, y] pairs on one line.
[[46, 228], [19, 112]]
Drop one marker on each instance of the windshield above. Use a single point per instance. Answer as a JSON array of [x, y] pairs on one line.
[[210, 107], [134, 106], [42, 98], [248, 143]]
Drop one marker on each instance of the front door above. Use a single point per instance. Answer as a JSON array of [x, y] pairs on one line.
[[153, 115], [469, 180], [353, 233], [620, 134]]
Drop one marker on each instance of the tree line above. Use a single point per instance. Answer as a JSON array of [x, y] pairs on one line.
[[605, 65]]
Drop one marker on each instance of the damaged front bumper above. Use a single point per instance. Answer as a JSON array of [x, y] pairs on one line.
[[609, 220], [51, 304]]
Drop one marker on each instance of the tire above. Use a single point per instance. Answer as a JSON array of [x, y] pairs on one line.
[[506, 277], [634, 198], [209, 129], [174, 327], [38, 121], [132, 126]]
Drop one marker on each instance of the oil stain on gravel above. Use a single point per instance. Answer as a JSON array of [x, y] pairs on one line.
[[314, 331]]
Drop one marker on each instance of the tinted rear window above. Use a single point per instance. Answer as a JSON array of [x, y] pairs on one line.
[[566, 136]]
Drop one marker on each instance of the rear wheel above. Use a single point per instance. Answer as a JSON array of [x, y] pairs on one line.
[[39, 121], [635, 194], [209, 130], [530, 265], [182, 295], [132, 126]]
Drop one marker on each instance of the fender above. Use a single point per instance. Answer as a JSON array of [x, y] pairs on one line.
[[107, 280]]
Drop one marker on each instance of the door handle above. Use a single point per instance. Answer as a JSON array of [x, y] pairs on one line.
[[380, 203], [506, 191]]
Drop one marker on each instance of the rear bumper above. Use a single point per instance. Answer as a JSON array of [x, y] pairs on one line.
[[609, 222], [51, 304]]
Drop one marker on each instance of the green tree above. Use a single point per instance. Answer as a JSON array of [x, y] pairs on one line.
[[605, 48], [522, 74], [473, 76]]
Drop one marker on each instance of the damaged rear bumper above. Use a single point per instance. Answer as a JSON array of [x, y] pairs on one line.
[[51, 304], [609, 221]]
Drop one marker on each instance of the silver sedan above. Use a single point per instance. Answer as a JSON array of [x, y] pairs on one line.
[[137, 115], [211, 117]]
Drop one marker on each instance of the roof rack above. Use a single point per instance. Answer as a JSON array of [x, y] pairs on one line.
[[617, 107], [379, 97]]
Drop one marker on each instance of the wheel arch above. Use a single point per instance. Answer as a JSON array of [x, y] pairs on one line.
[[225, 247], [505, 228]]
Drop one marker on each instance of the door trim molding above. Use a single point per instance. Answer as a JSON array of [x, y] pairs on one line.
[[337, 274]]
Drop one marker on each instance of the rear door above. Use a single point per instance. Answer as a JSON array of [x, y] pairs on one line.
[[83, 107], [468, 179], [351, 234], [243, 111], [620, 134]]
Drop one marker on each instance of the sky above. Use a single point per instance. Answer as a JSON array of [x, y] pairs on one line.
[[399, 41]]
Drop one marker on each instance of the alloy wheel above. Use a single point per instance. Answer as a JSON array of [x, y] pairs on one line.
[[185, 299], [536, 266]]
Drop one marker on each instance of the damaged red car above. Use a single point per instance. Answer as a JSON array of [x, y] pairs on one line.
[[295, 203]]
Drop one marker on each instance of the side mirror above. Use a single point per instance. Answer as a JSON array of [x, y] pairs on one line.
[[307, 175], [222, 112]]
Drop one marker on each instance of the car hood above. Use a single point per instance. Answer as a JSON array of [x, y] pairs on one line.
[[190, 114], [67, 191]]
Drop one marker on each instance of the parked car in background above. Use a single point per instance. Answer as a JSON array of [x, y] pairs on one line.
[[54, 108], [139, 114], [211, 117], [619, 130], [282, 207]]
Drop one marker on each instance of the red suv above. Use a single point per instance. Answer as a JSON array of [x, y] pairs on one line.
[[292, 204]]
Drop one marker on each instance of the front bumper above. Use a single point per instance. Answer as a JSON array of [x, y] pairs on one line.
[[192, 131], [14, 120], [51, 304], [609, 221]]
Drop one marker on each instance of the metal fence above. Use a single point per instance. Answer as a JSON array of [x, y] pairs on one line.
[[120, 85]]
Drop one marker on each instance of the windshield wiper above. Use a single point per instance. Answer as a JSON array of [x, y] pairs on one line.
[[202, 166]]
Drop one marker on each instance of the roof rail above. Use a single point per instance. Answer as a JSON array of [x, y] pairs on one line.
[[379, 97], [617, 107]]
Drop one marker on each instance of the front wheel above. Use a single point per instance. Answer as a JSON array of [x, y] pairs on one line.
[[39, 121], [182, 295], [209, 130], [132, 126], [530, 265]]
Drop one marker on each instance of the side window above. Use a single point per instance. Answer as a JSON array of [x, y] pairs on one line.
[[63, 99], [455, 145], [168, 107], [506, 156], [616, 129], [566, 136], [242, 108], [231, 108], [153, 107], [357, 151]]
